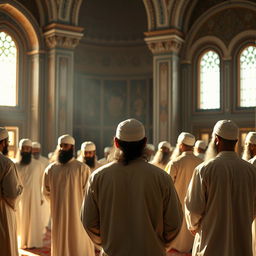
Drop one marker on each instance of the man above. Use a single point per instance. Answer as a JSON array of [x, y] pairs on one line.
[[88, 155], [10, 190], [149, 152], [221, 199], [249, 153], [131, 207], [30, 219], [200, 148], [163, 154], [104, 160], [64, 185], [36, 152], [181, 170]]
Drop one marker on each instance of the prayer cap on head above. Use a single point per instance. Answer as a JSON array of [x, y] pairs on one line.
[[3, 133], [130, 130], [66, 139], [186, 138], [88, 146], [200, 144], [107, 149], [226, 129], [150, 147], [165, 144], [25, 142], [36, 144], [251, 138]]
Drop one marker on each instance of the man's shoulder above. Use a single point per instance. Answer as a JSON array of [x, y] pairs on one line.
[[6, 161]]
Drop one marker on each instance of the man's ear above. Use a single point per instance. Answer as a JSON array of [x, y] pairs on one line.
[[216, 140], [116, 143]]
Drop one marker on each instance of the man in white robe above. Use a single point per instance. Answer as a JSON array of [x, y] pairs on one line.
[[200, 148], [30, 228], [88, 155], [181, 170], [64, 185], [10, 190], [36, 152], [221, 199], [104, 160], [131, 207]]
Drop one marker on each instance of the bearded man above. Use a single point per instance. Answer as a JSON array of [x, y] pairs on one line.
[[30, 217], [249, 153], [64, 186]]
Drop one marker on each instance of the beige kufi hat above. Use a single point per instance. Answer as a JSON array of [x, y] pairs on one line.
[[107, 149], [66, 139], [186, 138], [25, 142], [3, 133], [36, 144], [251, 138], [200, 144], [88, 146], [130, 130], [150, 147], [165, 144], [226, 129]]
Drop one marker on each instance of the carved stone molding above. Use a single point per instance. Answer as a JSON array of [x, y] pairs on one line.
[[62, 36], [164, 44]]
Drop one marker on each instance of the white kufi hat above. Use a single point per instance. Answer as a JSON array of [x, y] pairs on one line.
[[200, 144], [88, 146], [165, 144], [130, 130], [226, 129], [36, 144], [25, 142], [3, 133], [186, 138], [251, 138], [66, 139]]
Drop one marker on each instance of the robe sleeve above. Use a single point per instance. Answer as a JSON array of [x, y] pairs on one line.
[[172, 170], [11, 186], [46, 184], [195, 201], [173, 214], [90, 213]]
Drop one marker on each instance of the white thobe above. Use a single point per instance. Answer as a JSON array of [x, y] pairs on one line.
[[131, 209], [181, 170], [64, 185], [30, 228], [220, 206], [10, 190]]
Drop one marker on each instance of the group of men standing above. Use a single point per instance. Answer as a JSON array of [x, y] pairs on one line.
[[130, 206]]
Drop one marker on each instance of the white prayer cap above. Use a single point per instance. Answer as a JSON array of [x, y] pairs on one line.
[[66, 139], [165, 144], [36, 144], [150, 147], [130, 130], [88, 146], [107, 149], [226, 129], [25, 142], [3, 133], [251, 138], [186, 138], [200, 144]]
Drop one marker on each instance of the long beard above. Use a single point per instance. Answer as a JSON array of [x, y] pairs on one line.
[[162, 157], [176, 152], [90, 161], [211, 151], [5, 150], [247, 154], [25, 158], [65, 155]]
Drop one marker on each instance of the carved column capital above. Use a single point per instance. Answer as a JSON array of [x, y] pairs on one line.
[[62, 36], [164, 41]]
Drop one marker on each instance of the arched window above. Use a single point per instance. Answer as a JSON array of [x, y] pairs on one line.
[[209, 81], [247, 88], [8, 70]]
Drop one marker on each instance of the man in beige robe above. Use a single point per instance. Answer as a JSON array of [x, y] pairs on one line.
[[88, 155], [131, 207], [64, 185], [10, 190], [200, 148], [30, 228], [249, 155], [221, 199], [181, 170]]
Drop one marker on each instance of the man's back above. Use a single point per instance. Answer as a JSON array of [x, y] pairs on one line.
[[221, 201], [137, 207]]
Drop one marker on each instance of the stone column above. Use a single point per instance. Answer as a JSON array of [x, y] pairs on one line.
[[165, 46], [61, 41]]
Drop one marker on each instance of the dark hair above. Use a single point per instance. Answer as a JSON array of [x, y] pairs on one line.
[[130, 150], [229, 143]]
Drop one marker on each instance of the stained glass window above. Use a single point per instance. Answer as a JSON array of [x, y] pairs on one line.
[[248, 77], [8, 64], [209, 82]]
